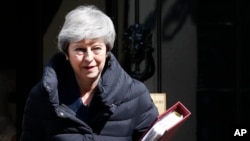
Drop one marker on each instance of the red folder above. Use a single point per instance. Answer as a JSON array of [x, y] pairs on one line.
[[160, 132]]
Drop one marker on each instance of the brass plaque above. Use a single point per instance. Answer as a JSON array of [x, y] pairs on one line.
[[160, 101]]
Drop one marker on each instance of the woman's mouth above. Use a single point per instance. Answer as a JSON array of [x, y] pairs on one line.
[[89, 67]]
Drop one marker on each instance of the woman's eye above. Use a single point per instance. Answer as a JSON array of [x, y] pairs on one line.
[[97, 48], [79, 51]]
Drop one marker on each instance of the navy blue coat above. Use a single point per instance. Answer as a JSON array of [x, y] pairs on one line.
[[121, 109]]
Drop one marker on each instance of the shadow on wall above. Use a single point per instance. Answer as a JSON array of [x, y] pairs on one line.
[[177, 13]]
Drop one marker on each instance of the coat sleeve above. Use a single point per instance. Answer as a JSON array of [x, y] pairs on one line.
[[147, 114], [32, 123]]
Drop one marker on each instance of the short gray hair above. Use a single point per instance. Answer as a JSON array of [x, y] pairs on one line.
[[86, 22]]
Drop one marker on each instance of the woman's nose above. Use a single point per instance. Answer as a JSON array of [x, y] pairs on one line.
[[88, 56]]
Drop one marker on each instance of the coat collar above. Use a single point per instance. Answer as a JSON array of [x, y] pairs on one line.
[[111, 87]]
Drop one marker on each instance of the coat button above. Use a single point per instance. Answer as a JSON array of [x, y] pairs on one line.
[[61, 114]]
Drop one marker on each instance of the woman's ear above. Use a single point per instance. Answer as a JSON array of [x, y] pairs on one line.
[[107, 54]]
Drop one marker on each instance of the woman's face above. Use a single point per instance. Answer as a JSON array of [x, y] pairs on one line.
[[87, 57]]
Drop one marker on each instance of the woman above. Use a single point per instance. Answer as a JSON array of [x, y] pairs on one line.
[[84, 93]]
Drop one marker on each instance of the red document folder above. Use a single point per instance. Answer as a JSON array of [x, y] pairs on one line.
[[164, 127]]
